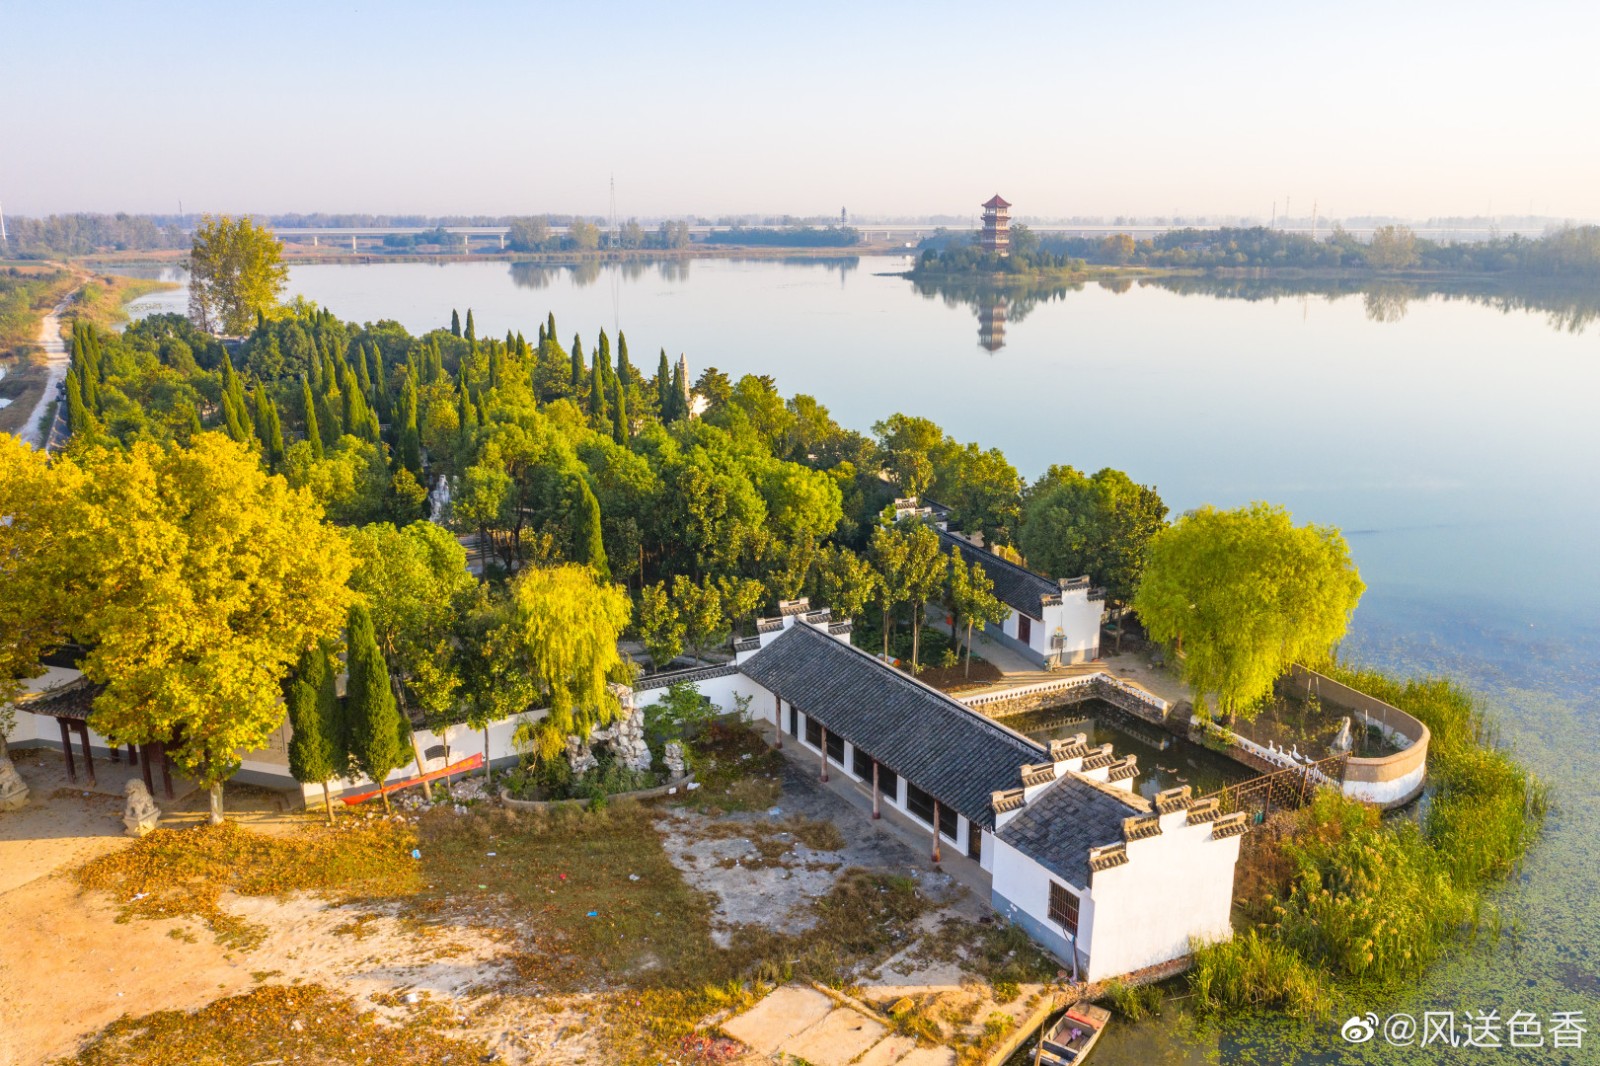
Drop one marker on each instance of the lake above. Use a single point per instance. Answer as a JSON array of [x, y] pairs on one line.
[[1452, 436]]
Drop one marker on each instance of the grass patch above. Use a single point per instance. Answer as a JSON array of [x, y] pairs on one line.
[[177, 873], [736, 769], [998, 952], [275, 1023]]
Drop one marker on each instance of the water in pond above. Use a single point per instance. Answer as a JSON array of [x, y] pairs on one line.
[[1165, 761], [1451, 434]]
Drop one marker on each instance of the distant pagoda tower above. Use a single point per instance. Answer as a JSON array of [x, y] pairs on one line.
[[996, 236]]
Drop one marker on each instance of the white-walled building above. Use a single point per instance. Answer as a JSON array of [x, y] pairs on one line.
[[1054, 623], [1094, 873]]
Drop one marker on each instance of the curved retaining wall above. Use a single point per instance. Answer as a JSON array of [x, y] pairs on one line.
[[1393, 780], [643, 794]]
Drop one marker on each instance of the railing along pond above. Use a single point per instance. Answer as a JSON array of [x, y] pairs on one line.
[[1287, 789]]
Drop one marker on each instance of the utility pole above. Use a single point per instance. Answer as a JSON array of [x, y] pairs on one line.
[[1313, 221], [3, 238]]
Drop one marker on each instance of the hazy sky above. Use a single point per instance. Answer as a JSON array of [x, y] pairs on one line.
[[1400, 107]]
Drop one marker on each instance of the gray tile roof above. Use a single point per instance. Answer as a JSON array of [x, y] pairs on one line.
[[693, 673], [1015, 586], [945, 748], [1064, 821]]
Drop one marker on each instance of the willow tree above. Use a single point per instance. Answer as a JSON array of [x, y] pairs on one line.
[[562, 628], [201, 581], [1243, 595], [236, 274]]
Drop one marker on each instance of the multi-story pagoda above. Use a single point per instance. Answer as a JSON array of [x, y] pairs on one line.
[[996, 236]]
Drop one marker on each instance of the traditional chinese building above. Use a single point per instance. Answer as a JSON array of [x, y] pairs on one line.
[[996, 236]]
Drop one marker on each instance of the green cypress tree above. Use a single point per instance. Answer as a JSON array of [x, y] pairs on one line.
[[363, 376], [680, 406], [602, 354], [376, 730], [316, 748], [597, 393], [664, 389], [550, 326], [579, 370], [625, 372], [410, 438], [471, 331], [455, 322], [308, 411], [619, 413], [78, 420], [274, 435], [541, 334], [380, 383], [588, 547]]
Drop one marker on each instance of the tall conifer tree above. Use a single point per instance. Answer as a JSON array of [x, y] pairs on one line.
[[619, 413], [379, 735], [308, 411], [316, 748]]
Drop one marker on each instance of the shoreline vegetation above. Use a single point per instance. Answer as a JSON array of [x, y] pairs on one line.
[[1335, 900]]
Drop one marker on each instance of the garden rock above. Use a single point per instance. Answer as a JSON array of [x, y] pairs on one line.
[[673, 757]]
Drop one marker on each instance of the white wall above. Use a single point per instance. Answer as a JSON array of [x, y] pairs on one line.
[[1079, 619], [1026, 885], [1135, 921]]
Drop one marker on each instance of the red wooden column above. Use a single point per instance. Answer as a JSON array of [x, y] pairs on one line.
[[875, 789], [88, 759], [66, 749], [935, 830], [777, 717], [824, 754]]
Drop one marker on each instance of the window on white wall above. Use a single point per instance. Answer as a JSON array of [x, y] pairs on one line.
[[1064, 908]]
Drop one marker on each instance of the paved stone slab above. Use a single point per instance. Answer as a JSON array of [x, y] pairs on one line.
[[836, 1039], [783, 1013], [929, 1056], [888, 1051]]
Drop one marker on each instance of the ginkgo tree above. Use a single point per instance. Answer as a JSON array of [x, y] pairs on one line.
[[35, 498], [202, 581], [1245, 594]]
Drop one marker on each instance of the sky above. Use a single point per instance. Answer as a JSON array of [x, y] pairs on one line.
[[1413, 109]]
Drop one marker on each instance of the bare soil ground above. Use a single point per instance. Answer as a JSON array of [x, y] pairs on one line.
[[567, 941]]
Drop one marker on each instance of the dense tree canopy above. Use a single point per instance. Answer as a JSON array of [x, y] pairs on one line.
[[1099, 525], [1245, 594]]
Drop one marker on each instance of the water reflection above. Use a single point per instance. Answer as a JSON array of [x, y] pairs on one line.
[[998, 305], [1567, 308]]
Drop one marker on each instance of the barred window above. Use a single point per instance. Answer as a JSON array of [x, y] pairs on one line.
[[1064, 908]]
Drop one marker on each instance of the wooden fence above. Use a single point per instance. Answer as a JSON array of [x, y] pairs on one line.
[[1287, 789]]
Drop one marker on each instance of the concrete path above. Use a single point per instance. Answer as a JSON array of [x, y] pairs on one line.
[[56, 359]]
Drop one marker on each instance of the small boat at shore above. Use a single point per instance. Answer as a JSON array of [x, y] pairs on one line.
[[1070, 1040]]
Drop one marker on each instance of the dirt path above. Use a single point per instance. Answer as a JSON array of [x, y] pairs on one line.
[[56, 359]]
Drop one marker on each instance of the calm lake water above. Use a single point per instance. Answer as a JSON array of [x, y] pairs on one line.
[[1455, 442]]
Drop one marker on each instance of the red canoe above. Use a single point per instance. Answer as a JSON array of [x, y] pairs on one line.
[[474, 762]]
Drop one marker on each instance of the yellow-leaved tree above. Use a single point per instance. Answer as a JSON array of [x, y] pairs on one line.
[[203, 581], [34, 498]]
